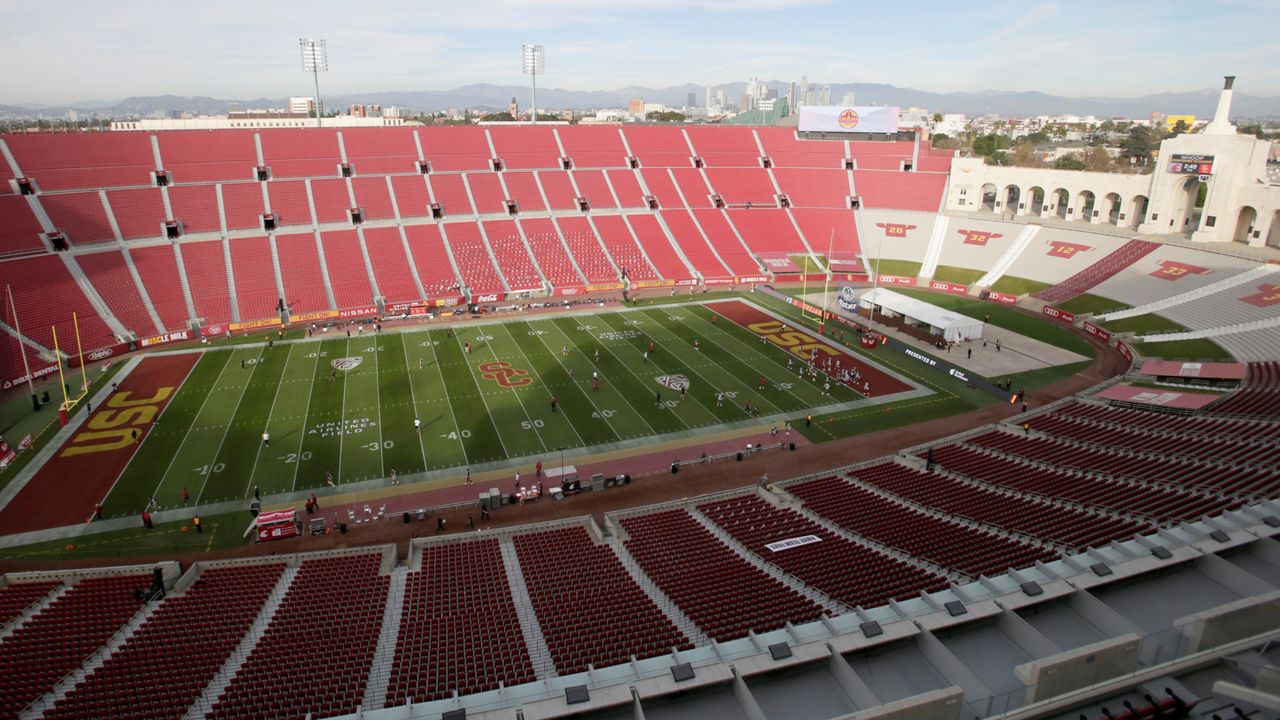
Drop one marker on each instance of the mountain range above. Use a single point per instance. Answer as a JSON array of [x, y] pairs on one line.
[[494, 97]]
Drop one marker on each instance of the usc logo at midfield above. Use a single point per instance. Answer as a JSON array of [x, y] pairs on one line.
[[501, 372], [798, 343]]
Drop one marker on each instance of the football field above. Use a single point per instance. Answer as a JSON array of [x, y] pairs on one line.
[[343, 409]]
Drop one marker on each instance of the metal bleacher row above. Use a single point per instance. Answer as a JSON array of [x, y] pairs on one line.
[[582, 194]]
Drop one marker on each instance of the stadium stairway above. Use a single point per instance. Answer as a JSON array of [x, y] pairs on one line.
[[534, 641], [822, 599], [659, 598], [533, 258], [493, 257], [1211, 289], [368, 264], [142, 291], [375, 692], [875, 546], [644, 188], [1007, 259], [92, 663], [231, 277], [91, 294], [275, 265], [936, 238], [684, 202], [223, 678], [944, 515], [181, 266], [32, 610], [1097, 273]]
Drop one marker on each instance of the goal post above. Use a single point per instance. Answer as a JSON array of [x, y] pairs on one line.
[[69, 399]]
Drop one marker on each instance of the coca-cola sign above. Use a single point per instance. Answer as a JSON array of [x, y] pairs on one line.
[[488, 298]]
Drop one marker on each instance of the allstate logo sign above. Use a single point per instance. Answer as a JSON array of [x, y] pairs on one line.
[[848, 119], [347, 364], [848, 301]]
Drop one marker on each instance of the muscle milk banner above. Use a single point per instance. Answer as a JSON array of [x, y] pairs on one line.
[[860, 118]]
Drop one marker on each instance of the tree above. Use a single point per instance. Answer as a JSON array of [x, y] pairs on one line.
[[987, 145], [1071, 161], [665, 116], [1038, 137], [1025, 155], [937, 117], [1139, 145], [1096, 159], [1179, 128], [1107, 126]]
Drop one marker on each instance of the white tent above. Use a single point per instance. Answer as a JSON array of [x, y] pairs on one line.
[[952, 326]]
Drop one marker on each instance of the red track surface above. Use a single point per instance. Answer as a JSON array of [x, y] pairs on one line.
[[66, 489], [799, 342]]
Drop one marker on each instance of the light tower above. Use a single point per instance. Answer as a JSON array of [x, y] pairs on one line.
[[533, 67], [315, 60]]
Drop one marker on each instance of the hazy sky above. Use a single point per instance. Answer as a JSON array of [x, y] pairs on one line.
[[68, 50]]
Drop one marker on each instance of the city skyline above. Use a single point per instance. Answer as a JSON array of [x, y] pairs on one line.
[[239, 50]]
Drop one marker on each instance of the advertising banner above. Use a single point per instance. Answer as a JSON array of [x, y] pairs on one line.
[[947, 287], [717, 281], [896, 280], [487, 298], [1000, 297], [1057, 314], [165, 339], [358, 312], [1124, 350], [1097, 332], [859, 118], [256, 324], [311, 316]]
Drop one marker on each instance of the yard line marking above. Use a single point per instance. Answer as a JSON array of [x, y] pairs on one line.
[[715, 419], [187, 436], [377, 398], [523, 409], [137, 452], [581, 442], [457, 337], [744, 344], [227, 429], [413, 396], [302, 434], [254, 469], [625, 365], [593, 402], [342, 414], [754, 390]]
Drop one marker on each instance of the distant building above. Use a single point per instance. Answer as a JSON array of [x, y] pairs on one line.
[[847, 100], [302, 105], [636, 107], [254, 119], [514, 108], [691, 100]]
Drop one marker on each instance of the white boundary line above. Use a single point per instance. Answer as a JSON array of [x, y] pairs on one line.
[[452, 415], [187, 436], [306, 415], [227, 429], [279, 384], [576, 434], [593, 402], [523, 409], [480, 391], [413, 398], [623, 363], [742, 343]]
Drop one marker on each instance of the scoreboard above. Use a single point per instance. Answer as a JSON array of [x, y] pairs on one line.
[[1191, 164]]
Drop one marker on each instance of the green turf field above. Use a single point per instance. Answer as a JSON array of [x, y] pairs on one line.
[[356, 422]]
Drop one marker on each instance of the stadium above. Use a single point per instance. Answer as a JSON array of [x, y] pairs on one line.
[[635, 421]]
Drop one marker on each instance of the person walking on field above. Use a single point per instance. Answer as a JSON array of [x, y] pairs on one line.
[[146, 520], [186, 496], [417, 425], [554, 402], [266, 438]]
